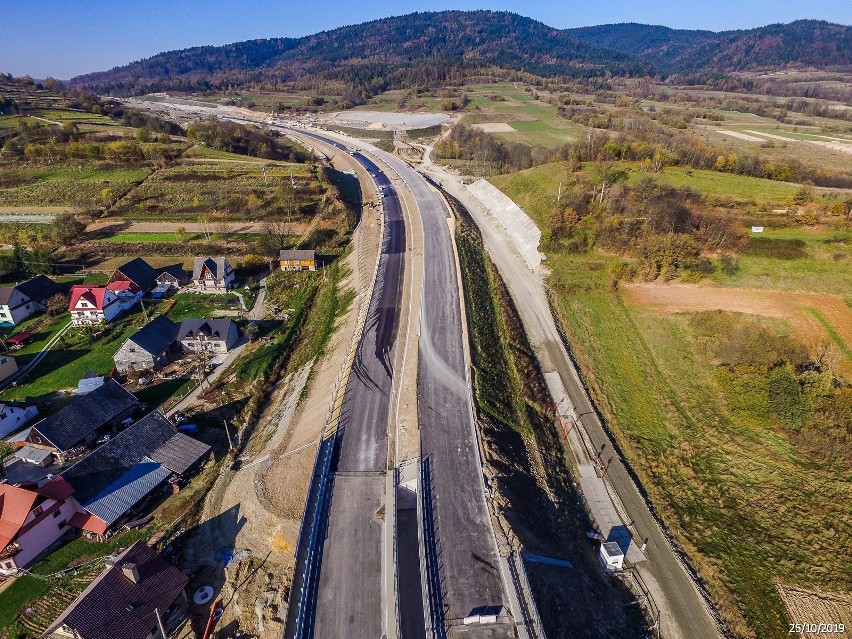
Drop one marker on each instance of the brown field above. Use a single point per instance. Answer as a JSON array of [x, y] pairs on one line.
[[789, 306], [493, 127], [814, 607]]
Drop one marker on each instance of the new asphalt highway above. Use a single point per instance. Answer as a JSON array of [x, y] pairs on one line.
[[468, 574], [349, 600], [466, 548]]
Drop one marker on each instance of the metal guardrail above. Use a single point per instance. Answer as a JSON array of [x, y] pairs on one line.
[[310, 579], [527, 601], [436, 625]]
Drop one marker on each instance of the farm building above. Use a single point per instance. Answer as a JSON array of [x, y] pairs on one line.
[[135, 592], [115, 477], [298, 260], [174, 275], [82, 421], [138, 271], [208, 335], [150, 348], [213, 274]]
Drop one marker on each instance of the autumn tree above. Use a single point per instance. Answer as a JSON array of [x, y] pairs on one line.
[[67, 228]]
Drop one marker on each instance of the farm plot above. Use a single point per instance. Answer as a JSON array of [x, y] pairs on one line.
[[815, 607], [800, 311]]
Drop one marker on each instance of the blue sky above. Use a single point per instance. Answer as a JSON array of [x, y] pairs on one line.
[[63, 38]]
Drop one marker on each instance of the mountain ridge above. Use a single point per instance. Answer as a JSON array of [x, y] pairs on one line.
[[434, 47]]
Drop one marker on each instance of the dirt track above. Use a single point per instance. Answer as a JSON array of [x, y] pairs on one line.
[[121, 226]]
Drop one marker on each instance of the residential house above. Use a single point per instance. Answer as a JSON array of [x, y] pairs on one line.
[[8, 367], [298, 260], [136, 592], [213, 274], [15, 307], [31, 520], [22, 300], [92, 305], [138, 271], [100, 412], [150, 348], [14, 416], [127, 293], [39, 289], [208, 335], [115, 477]]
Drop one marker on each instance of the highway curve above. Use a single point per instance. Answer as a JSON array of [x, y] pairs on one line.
[[466, 548], [348, 600]]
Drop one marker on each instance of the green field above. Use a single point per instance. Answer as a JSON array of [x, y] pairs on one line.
[[727, 485], [77, 353], [66, 183], [189, 305], [748, 505]]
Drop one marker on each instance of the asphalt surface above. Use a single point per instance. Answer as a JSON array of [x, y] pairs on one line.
[[467, 551], [349, 600]]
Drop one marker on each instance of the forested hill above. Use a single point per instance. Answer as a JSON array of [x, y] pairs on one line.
[[412, 50], [428, 49], [809, 43]]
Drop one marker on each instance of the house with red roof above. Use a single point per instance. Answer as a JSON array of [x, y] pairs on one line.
[[32, 519], [127, 292], [93, 305]]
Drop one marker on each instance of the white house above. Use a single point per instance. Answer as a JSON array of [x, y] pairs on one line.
[[18, 302], [213, 274], [13, 416], [15, 307], [208, 335], [92, 305]]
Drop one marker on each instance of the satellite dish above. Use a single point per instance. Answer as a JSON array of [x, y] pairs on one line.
[[203, 595]]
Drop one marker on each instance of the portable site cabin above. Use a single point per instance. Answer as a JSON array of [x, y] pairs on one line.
[[611, 556]]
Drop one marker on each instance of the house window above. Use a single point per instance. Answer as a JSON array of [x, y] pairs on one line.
[[61, 524], [7, 565], [38, 510], [56, 513]]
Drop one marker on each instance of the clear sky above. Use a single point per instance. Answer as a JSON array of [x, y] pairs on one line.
[[63, 38]]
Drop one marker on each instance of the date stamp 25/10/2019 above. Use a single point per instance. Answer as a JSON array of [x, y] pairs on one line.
[[817, 628]]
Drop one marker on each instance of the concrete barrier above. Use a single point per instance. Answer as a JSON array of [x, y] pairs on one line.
[[523, 232]]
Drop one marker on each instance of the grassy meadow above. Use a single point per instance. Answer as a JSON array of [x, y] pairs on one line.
[[751, 507]]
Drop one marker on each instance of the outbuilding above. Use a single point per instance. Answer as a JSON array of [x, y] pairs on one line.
[[611, 556], [298, 260]]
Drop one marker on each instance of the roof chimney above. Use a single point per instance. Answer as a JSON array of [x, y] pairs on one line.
[[131, 572]]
